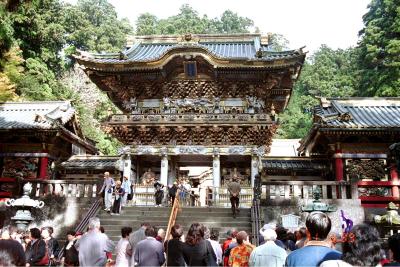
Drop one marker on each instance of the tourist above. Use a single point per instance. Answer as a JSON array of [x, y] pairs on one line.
[[182, 192], [107, 188], [361, 248], [172, 189], [394, 246], [126, 185], [149, 252], [234, 192], [212, 236], [119, 194], [16, 235], [240, 254], [135, 238], [173, 247], [71, 256], [283, 235], [196, 250], [159, 193], [36, 253], [26, 239], [269, 254], [6, 258], [51, 244], [301, 237], [160, 235], [5, 234], [123, 259], [187, 187], [130, 195], [94, 245], [231, 239], [15, 251], [317, 249], [273, 227]]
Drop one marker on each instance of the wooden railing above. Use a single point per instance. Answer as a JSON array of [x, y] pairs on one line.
[[378, 193], [256, 222], [277, 190], [67, 188], [173, 215]]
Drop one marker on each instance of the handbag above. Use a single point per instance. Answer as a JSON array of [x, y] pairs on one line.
[[45, 260]]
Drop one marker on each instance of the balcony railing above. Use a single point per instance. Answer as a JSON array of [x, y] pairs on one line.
[[190, 118]]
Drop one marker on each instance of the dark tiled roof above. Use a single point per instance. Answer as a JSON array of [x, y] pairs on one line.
[[359, 113], [91, 162], [292, 164], [35, 115], [243, 48]]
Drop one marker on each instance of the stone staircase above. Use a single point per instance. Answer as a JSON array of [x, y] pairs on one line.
[[133, 217], [217, 218]]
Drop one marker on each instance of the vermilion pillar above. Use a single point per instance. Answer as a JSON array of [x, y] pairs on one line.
[[338, 166], [43, 167], [395, 178]]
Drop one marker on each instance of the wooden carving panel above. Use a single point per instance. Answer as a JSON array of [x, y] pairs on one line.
[[187, 135]]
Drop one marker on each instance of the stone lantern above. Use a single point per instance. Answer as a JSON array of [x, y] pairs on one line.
[[24, 205]]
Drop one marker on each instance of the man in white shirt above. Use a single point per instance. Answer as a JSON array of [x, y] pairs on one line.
[[108, 190]]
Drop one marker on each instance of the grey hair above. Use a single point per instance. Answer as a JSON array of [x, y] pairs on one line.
[[6, 259], [269, 235], [94, 222]]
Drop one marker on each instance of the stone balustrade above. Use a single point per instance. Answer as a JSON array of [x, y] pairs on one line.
[[280, 190], [67, 188]]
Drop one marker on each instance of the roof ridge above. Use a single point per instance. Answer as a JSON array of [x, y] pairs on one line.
[[35, 102]]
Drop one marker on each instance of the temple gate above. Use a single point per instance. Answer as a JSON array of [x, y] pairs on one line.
[[204, 100]]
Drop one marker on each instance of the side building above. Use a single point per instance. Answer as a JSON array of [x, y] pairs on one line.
[[357, 136], [35, 137]]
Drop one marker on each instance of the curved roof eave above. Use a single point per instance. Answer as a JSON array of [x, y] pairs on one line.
[[158, 62]]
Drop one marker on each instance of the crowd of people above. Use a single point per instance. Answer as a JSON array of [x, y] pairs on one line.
[[148, 246]]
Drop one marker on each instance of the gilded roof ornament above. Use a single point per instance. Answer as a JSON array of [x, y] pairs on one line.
[[188, 39]]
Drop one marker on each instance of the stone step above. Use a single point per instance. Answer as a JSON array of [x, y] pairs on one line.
[[117, 227], [118, 220], [141, 216], [196, 209]]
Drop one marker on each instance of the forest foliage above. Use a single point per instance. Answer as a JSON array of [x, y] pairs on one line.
[[38, 37]]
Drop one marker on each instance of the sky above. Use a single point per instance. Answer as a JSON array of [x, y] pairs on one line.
[[309, 23]]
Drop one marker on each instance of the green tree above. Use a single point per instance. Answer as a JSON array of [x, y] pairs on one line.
[[6, 31], [327, 73], [296, 121], [188, 20], [38, 32], [146, 24], [331, 73], [231, 22], [93, 25], [379, 47]]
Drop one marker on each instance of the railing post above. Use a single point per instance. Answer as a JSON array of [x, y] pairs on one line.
[[354, 190]]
